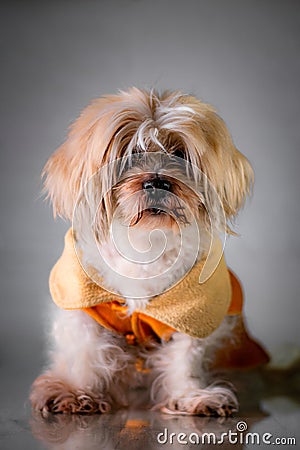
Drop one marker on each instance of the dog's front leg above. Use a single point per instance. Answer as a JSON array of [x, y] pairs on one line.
[[182, 385], [86, 363]]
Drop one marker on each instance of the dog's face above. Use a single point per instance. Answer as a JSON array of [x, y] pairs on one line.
[[155, 159], [157, 191]]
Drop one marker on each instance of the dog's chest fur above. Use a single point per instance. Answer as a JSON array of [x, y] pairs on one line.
[[150, 260]]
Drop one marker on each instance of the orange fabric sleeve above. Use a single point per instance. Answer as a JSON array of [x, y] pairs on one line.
[[236, 305]]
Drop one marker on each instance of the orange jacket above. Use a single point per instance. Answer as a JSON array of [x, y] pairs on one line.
[[188, 307]]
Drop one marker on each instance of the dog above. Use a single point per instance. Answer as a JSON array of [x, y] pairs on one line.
[[148, 180]]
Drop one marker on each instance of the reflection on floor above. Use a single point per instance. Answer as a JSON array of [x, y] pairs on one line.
[[270, 407]]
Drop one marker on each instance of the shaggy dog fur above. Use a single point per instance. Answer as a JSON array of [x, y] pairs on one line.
[[92, 368]]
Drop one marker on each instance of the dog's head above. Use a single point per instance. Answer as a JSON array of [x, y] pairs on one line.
[[154, 158]]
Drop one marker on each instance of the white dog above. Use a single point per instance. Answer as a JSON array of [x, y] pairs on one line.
[[148, 180]]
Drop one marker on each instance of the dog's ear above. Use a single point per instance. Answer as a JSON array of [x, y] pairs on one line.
[[60, 182], [78, 158], [227, 169], [238, 182]]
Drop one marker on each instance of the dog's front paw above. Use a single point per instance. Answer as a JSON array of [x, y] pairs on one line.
[[212, 401], [52, 395]]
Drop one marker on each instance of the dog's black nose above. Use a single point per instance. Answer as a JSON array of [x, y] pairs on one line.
[[156, 183]]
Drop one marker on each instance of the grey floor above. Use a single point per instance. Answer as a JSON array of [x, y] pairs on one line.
[[270, 403]]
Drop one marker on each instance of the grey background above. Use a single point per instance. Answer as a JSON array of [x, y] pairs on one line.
[[241, 56]]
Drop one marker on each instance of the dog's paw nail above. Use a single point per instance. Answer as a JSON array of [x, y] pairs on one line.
[[45, 412], [86, 405], [226, 411], [104, 406]]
